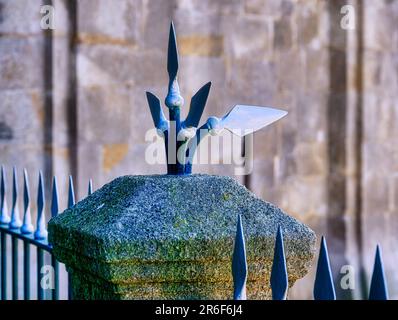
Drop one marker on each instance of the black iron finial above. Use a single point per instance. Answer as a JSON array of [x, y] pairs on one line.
[[182, 137]]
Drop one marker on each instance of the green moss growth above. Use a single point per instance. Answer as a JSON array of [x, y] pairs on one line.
[[163, 230]]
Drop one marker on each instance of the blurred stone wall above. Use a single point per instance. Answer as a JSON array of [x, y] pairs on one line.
[[380, 134], [73, 101], [23, 116]]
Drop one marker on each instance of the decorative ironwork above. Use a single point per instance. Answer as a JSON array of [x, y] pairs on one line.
[[25, 232], [182, 137]]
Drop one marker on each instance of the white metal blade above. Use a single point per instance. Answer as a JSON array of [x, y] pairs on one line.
[[242, 119]]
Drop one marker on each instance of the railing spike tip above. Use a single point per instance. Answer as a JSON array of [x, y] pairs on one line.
[[41, 232], [279, 277], [54, 198], [4, 217], [378, 286], [15, 221], [239, 263], [90, 187], [26, 195], [27, 226], [71, 193], [40, 193], [323, 286], [14, 183]]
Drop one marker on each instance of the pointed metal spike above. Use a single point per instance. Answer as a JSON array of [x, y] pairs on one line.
[[279, 277], [239, 264], [3, 182], [172, 54], [15, 222], [173, 100], [71, 193], [324, 287], [90, 187], [41, 232], [26, 196], [54, 198], [27, 226], [378, 286], [198, 103], [4, 217], [14, 185], [40, 193]]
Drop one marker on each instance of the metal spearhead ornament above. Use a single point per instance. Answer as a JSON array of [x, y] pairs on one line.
[[240, 120]]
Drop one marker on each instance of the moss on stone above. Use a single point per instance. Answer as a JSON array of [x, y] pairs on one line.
[[173, 229]]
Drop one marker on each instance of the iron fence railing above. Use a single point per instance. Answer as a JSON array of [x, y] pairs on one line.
[[324, 288], [11, 226], [24, 231]]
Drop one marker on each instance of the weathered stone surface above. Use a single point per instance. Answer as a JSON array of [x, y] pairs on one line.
[[307, 27], [283, 37], [239, 42], [190, 22], [211, 7], [109, 22], [104, 110], [271, 8], [172, 237], [24, 130], [15, 69], [208, 46]]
